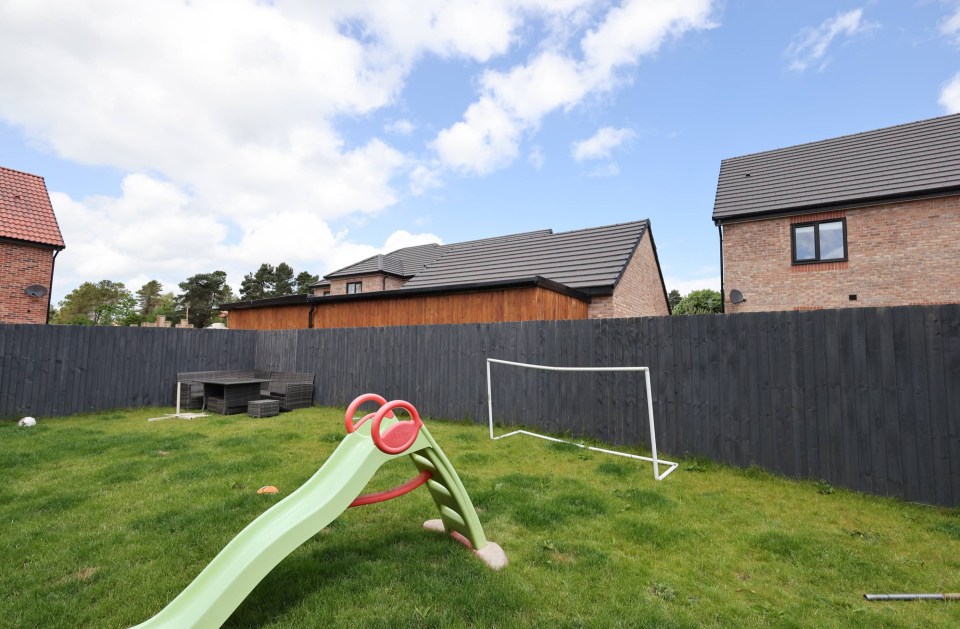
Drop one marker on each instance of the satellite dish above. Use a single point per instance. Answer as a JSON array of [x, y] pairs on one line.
[[736, 297], [36, 290]]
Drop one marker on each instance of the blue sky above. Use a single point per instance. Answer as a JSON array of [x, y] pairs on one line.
[[179, 138]]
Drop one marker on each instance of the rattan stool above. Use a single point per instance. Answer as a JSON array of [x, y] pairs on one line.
[[263, 408]]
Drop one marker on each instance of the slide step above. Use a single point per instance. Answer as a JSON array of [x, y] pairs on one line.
[[440, 493], [449, 514], [423, 462], [440, 489]]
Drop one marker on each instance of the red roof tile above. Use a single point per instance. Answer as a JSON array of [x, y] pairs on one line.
[[25, 209]]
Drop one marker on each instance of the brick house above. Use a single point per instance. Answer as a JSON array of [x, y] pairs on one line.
[[600, 272], [30, 240], [871, 219]]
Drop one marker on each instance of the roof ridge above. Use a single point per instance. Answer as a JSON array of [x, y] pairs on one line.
[[367, 259], [845, 136], [546, 232], [20, 172], [586, 229], [426, 244]]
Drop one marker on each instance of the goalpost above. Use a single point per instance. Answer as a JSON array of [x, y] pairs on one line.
[[653, 437]]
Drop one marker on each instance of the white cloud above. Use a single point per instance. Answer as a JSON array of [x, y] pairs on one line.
[[227, 116], [486, 139], [153, 232], [423, 178], [402, 238], [611, 169], [449, 28], [684, 286], [811, 44], [536, 158], [233, 108], [399, 127], [601, 143], [950, 25], [513, 102], [950, 95]]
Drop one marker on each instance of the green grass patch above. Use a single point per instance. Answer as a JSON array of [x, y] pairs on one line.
[[107, 517]]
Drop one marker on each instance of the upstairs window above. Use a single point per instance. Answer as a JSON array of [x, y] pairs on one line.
[[354, 287], [825, 241]]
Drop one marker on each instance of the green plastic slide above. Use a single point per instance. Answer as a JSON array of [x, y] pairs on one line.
[[220, 588]]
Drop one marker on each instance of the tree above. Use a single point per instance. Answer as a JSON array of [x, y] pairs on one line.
[[703, 301], [270, 281], [674, 298], [203, 293], [148, 297], [167, 306], [283, 280], [258, 285], [304, 280], [103, 303]]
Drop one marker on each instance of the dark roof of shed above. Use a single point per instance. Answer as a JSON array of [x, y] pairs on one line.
[[906, 160], [590, 259], [25, 209]]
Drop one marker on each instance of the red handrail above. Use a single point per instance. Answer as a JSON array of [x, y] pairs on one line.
[[399, 490]]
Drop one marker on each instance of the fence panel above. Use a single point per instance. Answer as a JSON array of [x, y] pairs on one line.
[[865, 398]]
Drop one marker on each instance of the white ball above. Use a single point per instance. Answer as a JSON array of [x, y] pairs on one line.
[[27, 421]]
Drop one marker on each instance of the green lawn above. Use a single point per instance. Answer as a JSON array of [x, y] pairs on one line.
[[105, 518]]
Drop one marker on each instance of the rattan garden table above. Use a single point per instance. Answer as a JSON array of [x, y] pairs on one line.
[[230, 395]]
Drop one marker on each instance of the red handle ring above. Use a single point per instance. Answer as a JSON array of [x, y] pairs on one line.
[[357, 403], [405, 426]]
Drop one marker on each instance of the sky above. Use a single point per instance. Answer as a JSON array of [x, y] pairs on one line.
[[183, 137]]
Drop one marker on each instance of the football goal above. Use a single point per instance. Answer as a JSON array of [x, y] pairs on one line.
[[657, 462]]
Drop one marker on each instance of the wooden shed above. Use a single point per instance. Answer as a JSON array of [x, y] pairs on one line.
[[535, 298], [599, 272]]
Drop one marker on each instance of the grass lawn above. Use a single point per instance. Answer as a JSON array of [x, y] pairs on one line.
[[106, 518]]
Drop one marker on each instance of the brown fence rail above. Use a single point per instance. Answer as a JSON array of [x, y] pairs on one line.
[[866, 398]]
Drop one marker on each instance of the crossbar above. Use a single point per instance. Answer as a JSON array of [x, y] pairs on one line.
[[671, 466]]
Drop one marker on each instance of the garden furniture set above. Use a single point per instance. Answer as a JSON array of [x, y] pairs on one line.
[[258, 392]]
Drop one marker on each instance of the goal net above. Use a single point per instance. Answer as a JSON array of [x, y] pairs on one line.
[[657, 462]]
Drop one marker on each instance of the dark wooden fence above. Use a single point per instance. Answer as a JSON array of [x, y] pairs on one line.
[[866, 398], [52, 370]]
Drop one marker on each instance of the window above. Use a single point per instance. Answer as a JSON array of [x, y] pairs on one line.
[[354, 288], [825, 241]]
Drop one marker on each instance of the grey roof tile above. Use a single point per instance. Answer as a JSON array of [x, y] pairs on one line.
[[403, 262], [585, 258], [910, 159]]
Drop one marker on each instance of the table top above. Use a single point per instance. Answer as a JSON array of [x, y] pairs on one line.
[[229, 381]]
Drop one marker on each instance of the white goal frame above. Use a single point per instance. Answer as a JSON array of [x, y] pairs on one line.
[[653, 437]]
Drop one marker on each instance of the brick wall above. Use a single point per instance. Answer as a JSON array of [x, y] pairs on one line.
[[639, 292], [371, 283], [897, 254], [22, 266]]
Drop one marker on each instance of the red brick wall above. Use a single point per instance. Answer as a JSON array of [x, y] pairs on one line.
[[371, 283], [897, 254], [639, 292], [22, 266]]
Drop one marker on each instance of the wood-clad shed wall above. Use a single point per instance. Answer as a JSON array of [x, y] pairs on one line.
[[515, 304], [272, 318]]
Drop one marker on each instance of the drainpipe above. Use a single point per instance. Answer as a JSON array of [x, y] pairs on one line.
[[723, 298], [313, 306], [53, 264]]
